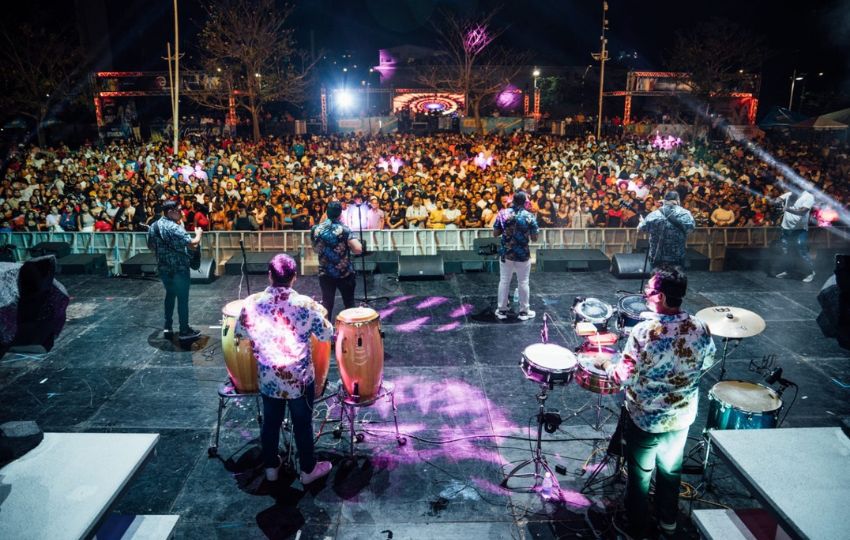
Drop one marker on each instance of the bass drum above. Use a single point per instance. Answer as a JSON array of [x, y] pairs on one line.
[[742, 405], [629, 310], [360, 352]]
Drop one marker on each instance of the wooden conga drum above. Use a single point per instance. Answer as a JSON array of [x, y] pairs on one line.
[[238, 353], [320, 351], [360, 352]]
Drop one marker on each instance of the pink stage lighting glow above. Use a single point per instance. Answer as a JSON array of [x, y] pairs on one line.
[[462, 311], [476, 39], [666, 143], [448, 327], [509, 98], [431, 301], [826, 216], [384, 313], [400, 299], [412, 326], [394, 163], [482, 160]]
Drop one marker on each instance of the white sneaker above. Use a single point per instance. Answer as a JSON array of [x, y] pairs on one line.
[[525, 315], [809, 278], [272, 473], [501, 314], [667, 528], [782, 275], [321, 469]]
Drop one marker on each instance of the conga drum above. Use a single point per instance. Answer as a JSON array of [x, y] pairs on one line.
[[238, 353], [321, 354], [360, 352]]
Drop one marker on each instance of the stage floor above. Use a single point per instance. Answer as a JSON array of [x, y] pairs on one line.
[[463, 404]]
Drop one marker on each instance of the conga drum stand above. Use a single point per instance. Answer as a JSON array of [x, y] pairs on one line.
[[226, 392], [348, 411], [538, 459]]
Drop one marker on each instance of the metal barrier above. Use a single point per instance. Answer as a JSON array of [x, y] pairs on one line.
[[221, 245]]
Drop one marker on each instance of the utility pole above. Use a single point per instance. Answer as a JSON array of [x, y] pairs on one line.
[[175, 108], [602, 57]]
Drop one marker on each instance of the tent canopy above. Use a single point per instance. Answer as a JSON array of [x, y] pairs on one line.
[[779, 117], [820, 123]]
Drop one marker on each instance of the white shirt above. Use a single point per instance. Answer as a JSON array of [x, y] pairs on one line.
[[794, 222], [450, 214]]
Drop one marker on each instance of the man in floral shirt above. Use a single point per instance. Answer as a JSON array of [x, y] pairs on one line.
[[333, 243], [661, 366], [517, 227], [279, 322]]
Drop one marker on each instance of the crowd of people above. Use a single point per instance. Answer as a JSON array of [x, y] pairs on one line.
[[397, 181]]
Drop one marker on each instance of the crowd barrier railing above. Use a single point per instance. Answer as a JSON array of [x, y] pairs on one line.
[[221, 245]]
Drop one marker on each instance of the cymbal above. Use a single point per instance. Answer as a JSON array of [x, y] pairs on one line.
[[732, 322]]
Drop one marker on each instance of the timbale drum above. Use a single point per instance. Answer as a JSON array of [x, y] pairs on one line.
[[547, 363]]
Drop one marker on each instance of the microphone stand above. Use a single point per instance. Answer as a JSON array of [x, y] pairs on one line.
[[365, 299]]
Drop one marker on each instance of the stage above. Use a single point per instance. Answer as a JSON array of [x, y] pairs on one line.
[[463, 405]]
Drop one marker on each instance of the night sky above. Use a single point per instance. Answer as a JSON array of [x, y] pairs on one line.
[[812, 36]]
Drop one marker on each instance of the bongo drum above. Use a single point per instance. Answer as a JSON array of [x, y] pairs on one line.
[[238, 353], [360, 352]]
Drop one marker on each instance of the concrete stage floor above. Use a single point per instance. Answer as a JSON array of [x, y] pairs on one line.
[[462, 402]]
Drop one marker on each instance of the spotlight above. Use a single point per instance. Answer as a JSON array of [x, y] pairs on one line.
[[344, 99]]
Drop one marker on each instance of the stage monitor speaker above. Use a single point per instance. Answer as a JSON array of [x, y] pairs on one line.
[[204, 274], [834, 300], [57, 249], [83, 263], [32, 304], [571, 260], [421, 267], [257, 262], [140, 264], [630, 266], [8, 253]]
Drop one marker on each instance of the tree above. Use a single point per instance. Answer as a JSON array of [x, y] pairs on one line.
[[720, 57], [472, 64], [249, 59], [41, 74]]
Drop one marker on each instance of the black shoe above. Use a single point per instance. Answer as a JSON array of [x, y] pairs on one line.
[[189, 333], [626, 528], [168, 333]]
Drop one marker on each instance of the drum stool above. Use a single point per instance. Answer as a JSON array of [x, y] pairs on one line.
[[348, 410]]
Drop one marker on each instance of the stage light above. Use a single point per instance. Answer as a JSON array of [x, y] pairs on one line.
[[344, 99]]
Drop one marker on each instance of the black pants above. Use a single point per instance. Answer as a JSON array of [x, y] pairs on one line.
[[329, 287], [176, 289]]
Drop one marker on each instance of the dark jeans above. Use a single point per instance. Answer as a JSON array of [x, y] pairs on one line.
[[329, 287], [176, 288], [301, 412], [645, 452], [801, 239]]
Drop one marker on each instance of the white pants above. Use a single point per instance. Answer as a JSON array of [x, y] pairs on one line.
[[506, 271]]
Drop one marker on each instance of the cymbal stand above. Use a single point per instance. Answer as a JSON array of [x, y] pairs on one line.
[[538, 459], [725, 352], [616, 439]]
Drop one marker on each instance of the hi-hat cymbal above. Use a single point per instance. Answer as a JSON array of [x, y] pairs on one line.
[[731, 322]]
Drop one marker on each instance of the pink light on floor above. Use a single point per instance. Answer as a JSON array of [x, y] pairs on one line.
[[431, 301], [384, 313], [447, 327], [462, 311], [400, 299], [572, 498], [412, 326]]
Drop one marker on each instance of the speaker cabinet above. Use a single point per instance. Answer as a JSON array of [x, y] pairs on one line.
[[421, 267]]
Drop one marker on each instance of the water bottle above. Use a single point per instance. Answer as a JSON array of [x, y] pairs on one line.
[[516, 295], [546, 486]]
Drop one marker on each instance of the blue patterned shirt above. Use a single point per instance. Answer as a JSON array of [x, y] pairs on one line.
[[516, 230], [330, 242], [279, 322], [668, 229], [661, 366], [170, 241]]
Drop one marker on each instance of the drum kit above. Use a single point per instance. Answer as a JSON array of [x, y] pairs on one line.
[[359, 354]]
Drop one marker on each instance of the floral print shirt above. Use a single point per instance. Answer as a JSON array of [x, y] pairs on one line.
[[170, 241], [516, 230], [661, 366], [279, 323], [330, 242]]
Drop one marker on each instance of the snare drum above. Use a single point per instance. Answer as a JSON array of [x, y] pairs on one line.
[[592, 378], [629, 309], [742, 405], [547, 363], [594, 311]]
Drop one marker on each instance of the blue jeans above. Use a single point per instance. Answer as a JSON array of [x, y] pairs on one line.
[[801, 238], [646, 452], [301, 412], [176, 288]]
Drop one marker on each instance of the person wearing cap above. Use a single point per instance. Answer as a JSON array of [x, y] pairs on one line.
[[516, 227], [171, 244], [661, 365], [668, 229], [334, 245]]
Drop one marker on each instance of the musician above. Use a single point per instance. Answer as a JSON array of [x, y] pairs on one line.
[[334, 245], [661, 366], [516, 227], [795, 228], [171, 243], [279, 323], [668, 229]]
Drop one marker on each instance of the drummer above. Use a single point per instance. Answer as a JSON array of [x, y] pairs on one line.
[[661, 366], [279, 322]]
